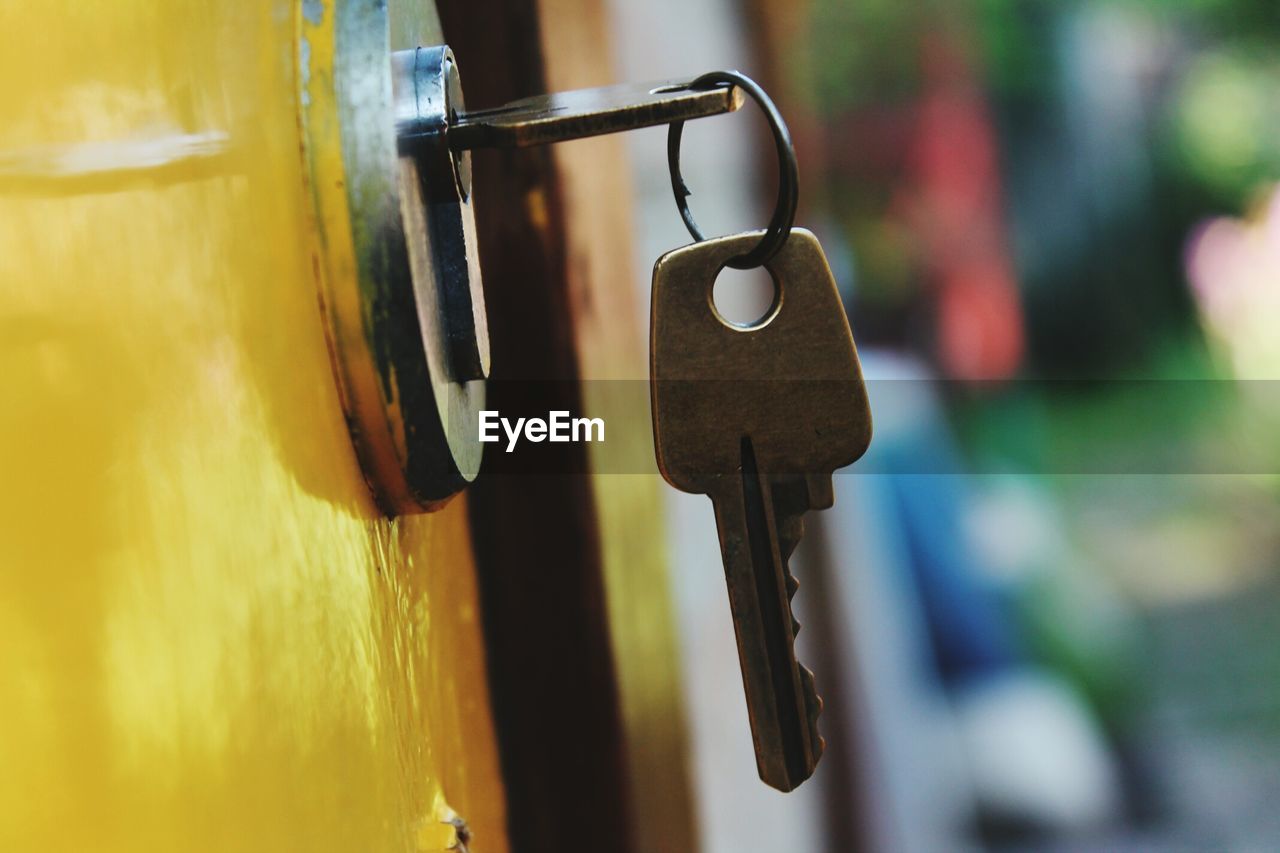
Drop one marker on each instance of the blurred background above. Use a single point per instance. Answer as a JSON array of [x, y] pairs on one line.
[[1043, 612]]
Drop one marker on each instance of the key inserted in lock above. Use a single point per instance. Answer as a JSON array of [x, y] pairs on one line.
[[435, 133], [398, 262], [562, 116]]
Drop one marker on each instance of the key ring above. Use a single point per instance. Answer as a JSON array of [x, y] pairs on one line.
[[784, 212]]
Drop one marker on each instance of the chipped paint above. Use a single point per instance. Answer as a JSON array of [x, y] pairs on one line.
[[304, 69], [313, 12]]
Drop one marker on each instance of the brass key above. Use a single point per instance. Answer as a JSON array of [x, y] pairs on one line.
[[559, 117], [758, 418]]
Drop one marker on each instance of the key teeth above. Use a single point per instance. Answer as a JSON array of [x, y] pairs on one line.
[[792, 586], [813, 710], [820, 491], [790, 532], [792, 497]]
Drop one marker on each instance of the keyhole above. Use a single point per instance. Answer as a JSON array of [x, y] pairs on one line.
[[744, 298]]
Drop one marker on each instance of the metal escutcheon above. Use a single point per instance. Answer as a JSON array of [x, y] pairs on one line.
[[397, 260]]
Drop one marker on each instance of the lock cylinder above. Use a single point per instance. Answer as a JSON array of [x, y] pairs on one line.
[[387, 147], [396, 258], [427, 91]]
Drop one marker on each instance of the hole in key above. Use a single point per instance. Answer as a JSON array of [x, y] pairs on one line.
[[745, 298]]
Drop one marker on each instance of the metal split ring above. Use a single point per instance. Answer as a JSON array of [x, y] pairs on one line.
[[784, 213]]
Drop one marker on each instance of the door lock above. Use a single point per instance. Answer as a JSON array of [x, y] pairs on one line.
[[388, 155]]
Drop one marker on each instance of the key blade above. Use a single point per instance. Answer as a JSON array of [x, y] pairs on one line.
[[782, 702], [561, 116]]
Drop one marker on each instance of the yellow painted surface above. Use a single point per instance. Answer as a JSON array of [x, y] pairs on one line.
[[209, 639]]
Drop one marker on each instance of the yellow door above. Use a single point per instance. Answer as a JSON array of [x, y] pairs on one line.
[[210, 639]]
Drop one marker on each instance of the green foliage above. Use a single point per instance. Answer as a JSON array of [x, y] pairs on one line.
[[868, 52]]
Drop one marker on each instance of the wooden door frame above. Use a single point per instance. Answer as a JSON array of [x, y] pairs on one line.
[[590, 723]]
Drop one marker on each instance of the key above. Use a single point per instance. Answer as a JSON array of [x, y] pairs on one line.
[[758, 418], [561, 116]]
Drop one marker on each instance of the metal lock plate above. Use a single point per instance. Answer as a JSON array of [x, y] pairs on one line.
[[387, 144], [396, 261]]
